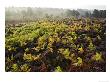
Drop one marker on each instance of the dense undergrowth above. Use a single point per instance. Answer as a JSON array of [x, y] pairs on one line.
[[65, 45]]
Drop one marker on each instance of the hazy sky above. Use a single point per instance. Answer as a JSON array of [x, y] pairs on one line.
[[83, 4], [92, 7]]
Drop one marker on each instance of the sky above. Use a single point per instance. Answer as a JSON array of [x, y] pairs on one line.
[[72, 4]]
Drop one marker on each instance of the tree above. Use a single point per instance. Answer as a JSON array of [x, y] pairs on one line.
[[103, 13], [76, 13], [69, 13], [23, 13], [73, 13], [29, 11], [99, 13], [87, 14], [95, 13]]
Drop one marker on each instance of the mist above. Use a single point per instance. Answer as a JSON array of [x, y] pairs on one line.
[[35, 13]]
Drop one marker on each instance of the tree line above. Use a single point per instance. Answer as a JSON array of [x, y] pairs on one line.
[[30, 13]]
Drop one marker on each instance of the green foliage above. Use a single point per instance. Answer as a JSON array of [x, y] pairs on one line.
[[66, 53], [79, 62], [81, 50], [25, 68], [14, 67], [27, 50], [97, 57], [91, 46], [28, 57], [56, 45], [58, 69]]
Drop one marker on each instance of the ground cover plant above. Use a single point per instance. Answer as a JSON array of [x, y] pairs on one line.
[[56, 45]]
